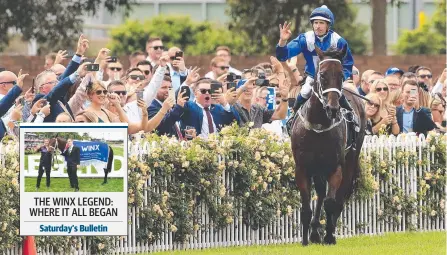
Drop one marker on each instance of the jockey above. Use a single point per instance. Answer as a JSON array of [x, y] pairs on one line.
[[322, 20]]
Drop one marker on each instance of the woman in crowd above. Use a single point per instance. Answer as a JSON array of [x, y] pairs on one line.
[[437, 107], [375, 122]]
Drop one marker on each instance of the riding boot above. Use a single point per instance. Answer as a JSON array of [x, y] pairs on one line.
[[353, 121], [296, 106]]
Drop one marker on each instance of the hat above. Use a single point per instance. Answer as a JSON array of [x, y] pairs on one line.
[[322, 13], [393, 70]]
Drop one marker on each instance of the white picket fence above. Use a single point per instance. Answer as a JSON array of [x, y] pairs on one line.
[[359, 217]]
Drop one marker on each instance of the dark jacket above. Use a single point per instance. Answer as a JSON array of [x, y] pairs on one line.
[[422, 121], [45, 156], [166, 126], [6, 103], [73, 158], [193, 116]]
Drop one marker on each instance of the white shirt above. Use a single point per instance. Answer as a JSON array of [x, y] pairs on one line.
[[133, 112], [150, 91], [205, 130]]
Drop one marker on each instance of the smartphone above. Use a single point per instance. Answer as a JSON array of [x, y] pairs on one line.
[[232, 77], [22, 101], [33, 86], [292, 102], [215, 86], [186, 91], [93, 67], [140, 94], [231, 85], [413, 92], [112, 59], [179, 54], [44, 103], [70, 53], [172, 93]]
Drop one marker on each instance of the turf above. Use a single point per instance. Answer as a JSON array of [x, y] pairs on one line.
[[85, 185], [413, 243]]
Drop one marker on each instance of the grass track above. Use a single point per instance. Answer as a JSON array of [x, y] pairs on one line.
[[410, 243], [85, 185]]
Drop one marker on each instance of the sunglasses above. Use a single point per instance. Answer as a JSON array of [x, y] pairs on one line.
[[115, 69], [380, 89], [355, 73], [50, 82], [137, 77], [99, 92], [146, 72], [423, 76], [120, 92], [373, 104], [6, 82], [223, 67], [158, 47], [204, 91]]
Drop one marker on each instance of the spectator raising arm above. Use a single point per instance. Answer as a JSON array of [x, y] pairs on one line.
[[150, 91]]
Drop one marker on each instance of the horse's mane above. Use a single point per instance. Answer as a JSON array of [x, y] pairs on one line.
[[334, 53]]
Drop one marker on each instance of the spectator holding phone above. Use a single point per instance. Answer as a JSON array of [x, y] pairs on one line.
[[177, 67], [375, 122], [207, 118], [163, 104], [410, 118]]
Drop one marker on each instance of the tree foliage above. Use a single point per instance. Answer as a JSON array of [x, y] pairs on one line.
[[195, 38], [53, 23], [429, 38], [260, 20]]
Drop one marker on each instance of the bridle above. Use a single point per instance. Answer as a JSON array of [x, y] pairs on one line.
[[320, 92]]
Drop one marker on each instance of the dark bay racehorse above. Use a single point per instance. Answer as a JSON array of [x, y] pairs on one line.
[[60, 143], [319, 141]]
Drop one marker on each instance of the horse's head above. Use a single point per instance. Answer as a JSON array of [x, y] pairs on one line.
[[329, 80]]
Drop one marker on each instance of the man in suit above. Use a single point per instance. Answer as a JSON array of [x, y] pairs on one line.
[[73, 157], [205, 117], [54, 89], [45, 162], [168, 125], [409, 118], [11, 85]]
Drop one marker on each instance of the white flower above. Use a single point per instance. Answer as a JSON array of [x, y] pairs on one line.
[[432, 148], [185, 164], [442, 204], [269, 179], [314, 198], [289, 210], [247, 194], [251, 124], [196, 227], [433, 213], [322, 222], [380, 212], [264, 185], [257, 156], [173, 228], [254, 172], [222, 191], [399, 207], [396, 199], [101, 246]]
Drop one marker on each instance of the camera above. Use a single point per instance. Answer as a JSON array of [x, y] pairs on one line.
[[262, 81], [93, 67], [423, 86], [232, 77]]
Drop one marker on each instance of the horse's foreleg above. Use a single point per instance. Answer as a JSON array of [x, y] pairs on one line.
[[304, 185], [320, 187], [330, 204]]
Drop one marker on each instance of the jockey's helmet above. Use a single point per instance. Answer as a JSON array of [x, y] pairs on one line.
[[322, 13]]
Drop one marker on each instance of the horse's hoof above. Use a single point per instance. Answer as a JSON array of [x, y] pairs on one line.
[[329, 239], [315, 237], [305, 242]]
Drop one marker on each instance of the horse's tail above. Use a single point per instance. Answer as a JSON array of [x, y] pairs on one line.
[[110, 160]]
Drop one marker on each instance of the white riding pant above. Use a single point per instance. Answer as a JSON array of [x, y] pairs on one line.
[[307, 88]]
